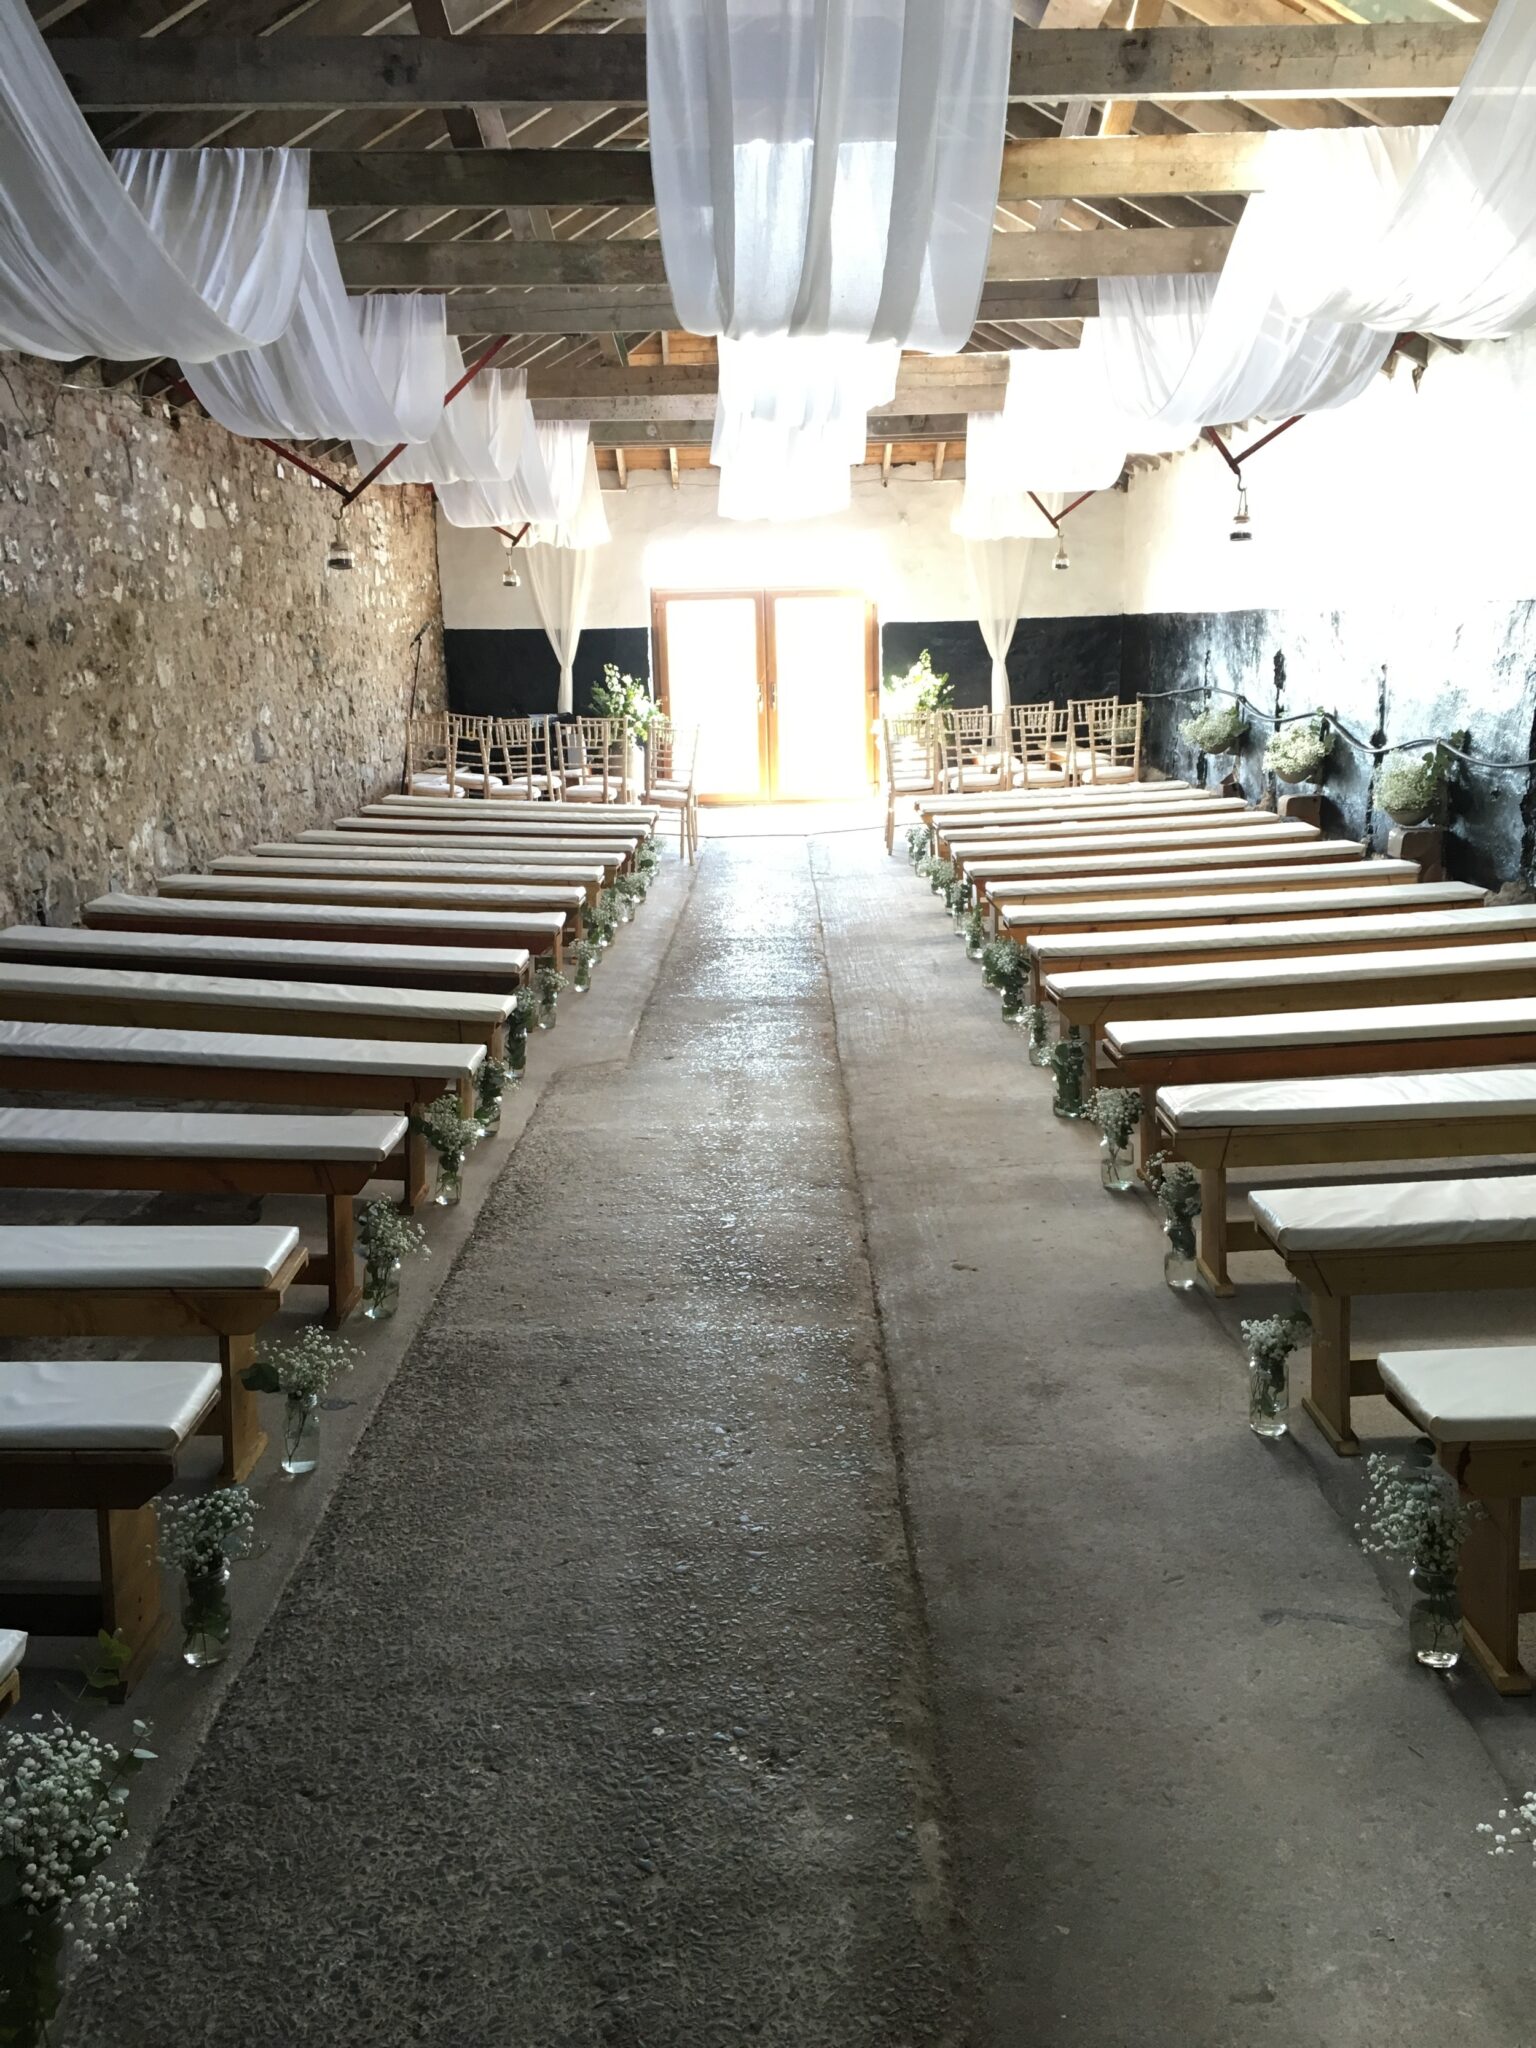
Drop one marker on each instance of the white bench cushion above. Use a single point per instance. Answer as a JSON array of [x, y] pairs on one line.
[[1403, 1215], [424, 1005], [1292, 934], [979, 850], [1261, 904], [1003, 809], [102, 1404], [143, 1045], [1123, 881], [1473, 1394], [13, 1647], [153, 910], [1491, 1092], [1138, 792], [466, 867], [435, 785], [48, 942], [1407, 964], [450, 894], [364, 1139], [325, 844], [512, 804], [1324, 1027], [142, 1255], [490, 829], [1264, 849]]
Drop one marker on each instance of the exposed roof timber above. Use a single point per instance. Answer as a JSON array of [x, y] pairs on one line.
[[1055, 254], [699, 433], [166, 73], [918, 377]]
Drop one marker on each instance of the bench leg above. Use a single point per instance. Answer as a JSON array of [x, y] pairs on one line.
[[130, 1586], [1146, 1136], [417, 1153], [1490, 1595], [1328, 1401], [10, 1693], [237, 1419], [1212, 1260], [346, 1289]]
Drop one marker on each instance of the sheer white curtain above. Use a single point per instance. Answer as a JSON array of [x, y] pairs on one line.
[[996, 504], [561, 581], [197, 259], [997, 569], [478, 438], [546, 487], [1429, 229], [375, 367], [823, 169]]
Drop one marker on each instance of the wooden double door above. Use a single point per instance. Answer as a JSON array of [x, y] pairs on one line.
[[782, 684]]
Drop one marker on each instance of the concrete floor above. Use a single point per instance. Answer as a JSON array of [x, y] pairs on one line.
[[1009, 1692]]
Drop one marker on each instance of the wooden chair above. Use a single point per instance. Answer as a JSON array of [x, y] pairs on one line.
[[431, 756], [1401, 1237], [908, 764], [157, 1280], [1031, 735], [594, 760], [334, 1157], [518, 753], [102, 1436], [671, 764], [972, 751], [1476, 1406], [1107, 742], [1335, 1120]]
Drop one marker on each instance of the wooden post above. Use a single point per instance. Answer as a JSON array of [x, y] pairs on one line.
[[127, 1544], [1327, 1402], [1212, 1258], [1490, 1594], [237, 1417]]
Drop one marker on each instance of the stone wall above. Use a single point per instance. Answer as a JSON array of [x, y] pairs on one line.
[[179, 673]]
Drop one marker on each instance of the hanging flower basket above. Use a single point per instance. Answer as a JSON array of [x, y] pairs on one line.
[[1298, 753], [1408, 790], [1217, 731]]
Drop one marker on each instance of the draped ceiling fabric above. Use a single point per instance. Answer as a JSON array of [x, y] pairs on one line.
[[545, 487], [996, 569], [824, 169], [478, 438], [375, 367], [996, 504], [197, 259], [1426, 229]]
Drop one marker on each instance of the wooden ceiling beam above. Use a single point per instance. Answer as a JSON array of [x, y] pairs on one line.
[[164, 74], [908, 426], [596, 311]]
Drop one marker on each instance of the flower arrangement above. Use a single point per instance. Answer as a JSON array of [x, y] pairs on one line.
[[450, 1135], [63, 1811], [1178, 1190], [1069, 1059], [583, 958], [919, 689], [918, 846], [1117, 1112], [547, 984], [201, 1537], [975, 933], [1270, 1340], [301, 1369], [624, 696], [1296, 753], [631, 891], [648, 854], [1005, 967], [1415, 1510], [491, 1083], [525, 1014], [385, 1237], [941, 876], [1037, 1026], [602, 918], [1408, 790], [1218, 730]]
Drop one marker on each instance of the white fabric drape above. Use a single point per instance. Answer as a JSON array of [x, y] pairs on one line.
[[375, 367], [561, 581], [545, 488], [478, 438], [996, 504], [1428, 229], [828, 166], [996, 569], [201, 259], [1061, 430], [588, 525], [791, 419]]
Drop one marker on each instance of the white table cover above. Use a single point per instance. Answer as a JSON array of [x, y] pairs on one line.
[[1484, 1092], [1474, 963], [1400, 1215], [140, 1045], [1406, 1021], [440, 1006], [89, 1255], [1290, 935], [101, 1404], [1482, 1393], [361, 1139]]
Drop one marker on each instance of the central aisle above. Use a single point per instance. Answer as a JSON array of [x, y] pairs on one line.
[[595, 1715]]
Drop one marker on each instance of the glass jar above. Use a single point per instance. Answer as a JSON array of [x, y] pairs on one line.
[[517, 1056], [301, 1434], [205, 1617], [1038, 1026], [1179, 1259], [581, 980], [626, 909], [1067, 1059], [1115, 1169], [449, 1191], [1434, 1619], [381, 1288], [1269, 1395], [549, 1014], [1013, 1006]]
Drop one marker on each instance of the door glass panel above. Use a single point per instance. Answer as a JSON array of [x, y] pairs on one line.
[[822, 710], [712, 683]]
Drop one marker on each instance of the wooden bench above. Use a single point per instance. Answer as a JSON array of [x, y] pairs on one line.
[[1334, 1120], [13, 1648], [533, 931], [157, 1280], [213, 1002], [100, 1435], [1477, 1404], [545, 884], [987, 861], [1089, 1002], [1142, 912], [947, 827], [1186, 868], [1174, 1052], [1470, 924], [567, 832], [479, 968], [1162, 888], [1021, 800], [127, 1062], [213, 1153], [1403, 1237], [641, 814], [329, 843], [443, 894]]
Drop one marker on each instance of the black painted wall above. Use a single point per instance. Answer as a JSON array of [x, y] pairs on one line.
[[506, 672], [1471, 667], [1048, 658]]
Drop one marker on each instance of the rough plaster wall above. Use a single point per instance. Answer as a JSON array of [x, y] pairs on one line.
[[179, 674]]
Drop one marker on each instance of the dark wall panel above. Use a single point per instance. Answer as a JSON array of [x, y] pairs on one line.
[[1048, 658], [497, 672]]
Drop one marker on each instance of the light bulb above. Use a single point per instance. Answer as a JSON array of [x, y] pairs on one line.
[[339, 553], [1242, 525], [1063, 560], [509, 576]]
